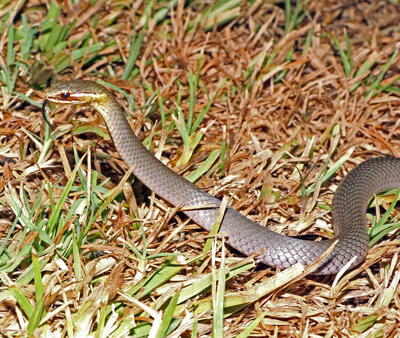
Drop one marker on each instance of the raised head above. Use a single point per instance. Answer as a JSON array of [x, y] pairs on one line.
[[75, 91], [78, 92]]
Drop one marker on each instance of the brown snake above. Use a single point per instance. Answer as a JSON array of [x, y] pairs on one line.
[[349, 203]]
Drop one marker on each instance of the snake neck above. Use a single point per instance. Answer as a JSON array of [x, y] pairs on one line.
[[119, 130]]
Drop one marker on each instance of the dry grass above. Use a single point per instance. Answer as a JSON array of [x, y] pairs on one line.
[[287, 101]]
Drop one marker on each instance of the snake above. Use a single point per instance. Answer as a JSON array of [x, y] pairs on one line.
[[349, 203]]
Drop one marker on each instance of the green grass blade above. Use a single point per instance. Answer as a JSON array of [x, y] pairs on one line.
[[192, 90], [39, 310], [168, 316], [204, 283], [36, 317], [249, 329], [348, 50], [381, 75], [162, 111], [37, 276], [77, 262], [167, 270], [218, 298], [200, 171], [10, 46], [22, 301], [347, 65], [133, 54]]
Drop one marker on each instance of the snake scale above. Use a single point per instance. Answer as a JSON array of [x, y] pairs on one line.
[[349, 203]]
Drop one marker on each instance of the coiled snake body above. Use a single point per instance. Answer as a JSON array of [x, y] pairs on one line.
[[349, 203]]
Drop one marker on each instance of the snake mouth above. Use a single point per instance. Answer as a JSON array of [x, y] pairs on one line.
[[44, 112]]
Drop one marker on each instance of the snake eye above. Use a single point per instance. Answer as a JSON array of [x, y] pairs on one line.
[[65, 95]]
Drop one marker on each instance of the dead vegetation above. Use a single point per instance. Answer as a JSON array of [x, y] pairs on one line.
[[252, 102]]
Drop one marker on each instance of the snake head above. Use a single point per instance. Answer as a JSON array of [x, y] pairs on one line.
[[81, 92], [75, 92]]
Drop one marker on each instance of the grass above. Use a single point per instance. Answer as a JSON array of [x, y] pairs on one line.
[[265, 105]]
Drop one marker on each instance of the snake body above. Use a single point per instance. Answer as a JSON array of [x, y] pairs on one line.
[[349, 203]]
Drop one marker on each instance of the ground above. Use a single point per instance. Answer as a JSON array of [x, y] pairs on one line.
[[266, 104]]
